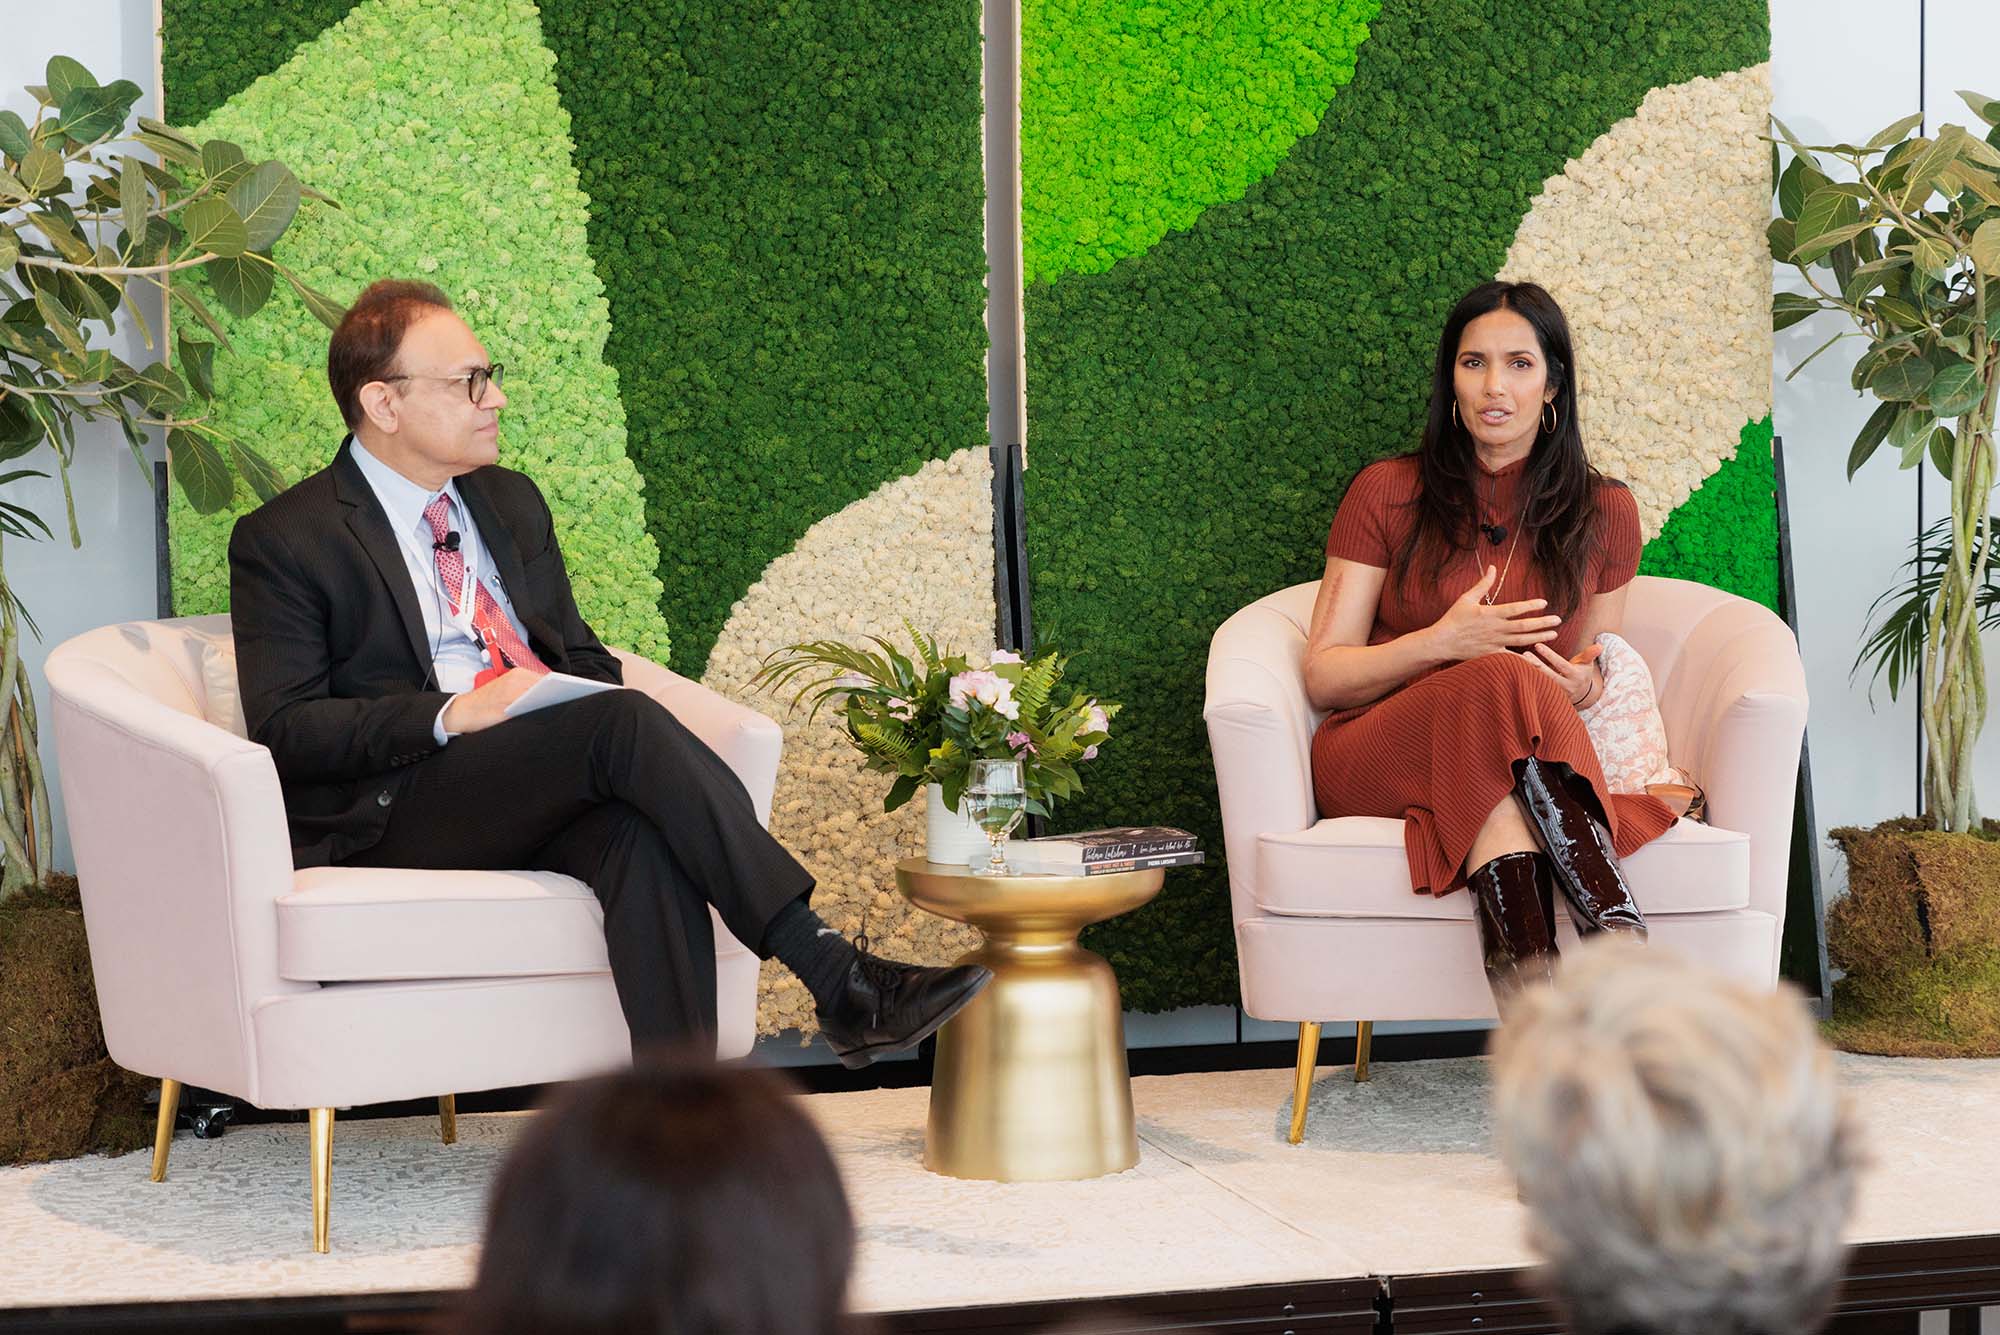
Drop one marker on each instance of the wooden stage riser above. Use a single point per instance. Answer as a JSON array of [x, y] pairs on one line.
[[1887, 1286]]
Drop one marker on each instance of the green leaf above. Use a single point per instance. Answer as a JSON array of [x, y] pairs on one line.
[[265, 199], [213, 226], [1985, 248], [1797, 182], [65, 76], [196, 465], [1899, 313], [198, 365], [184, 293], [1897, 131], [1956, 389], [10, 248], [170, 150], [12, 188], [42, 170], [166, 131], [242, 285], [1783, 236], [1824, 211], [218, 155], [1809, 251], [1933, 256], [264, 479], [1788, 308], [14, 140], [61, 323], [159, 387], [1909, 432], [1943, 446], [329, 312], [1902, 381], [89, 114], [134, 200], [1873, 433], [1984, 107]]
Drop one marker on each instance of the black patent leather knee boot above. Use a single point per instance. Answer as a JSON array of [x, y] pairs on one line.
[[1513, 900], [1579, 848]]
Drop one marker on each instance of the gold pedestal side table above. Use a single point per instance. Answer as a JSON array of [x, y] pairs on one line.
[[1030, 1082]]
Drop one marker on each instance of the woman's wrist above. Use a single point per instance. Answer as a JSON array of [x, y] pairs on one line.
[[1593, 692]]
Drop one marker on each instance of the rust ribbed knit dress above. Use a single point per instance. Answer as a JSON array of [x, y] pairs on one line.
[[1438, 751]]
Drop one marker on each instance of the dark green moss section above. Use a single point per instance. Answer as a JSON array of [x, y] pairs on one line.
[[211, 50], [1195, 412], [788, 217], [1726, 534]]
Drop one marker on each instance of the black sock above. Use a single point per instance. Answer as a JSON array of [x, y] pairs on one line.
[[800, 940]]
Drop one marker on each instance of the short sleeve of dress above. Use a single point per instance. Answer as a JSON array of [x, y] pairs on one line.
[[1359, 532], [1618, 546]]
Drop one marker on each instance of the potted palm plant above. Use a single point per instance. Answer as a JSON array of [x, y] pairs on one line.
[[1900, 237], [102, 221]]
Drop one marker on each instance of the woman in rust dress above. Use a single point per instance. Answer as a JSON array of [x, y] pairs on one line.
[[1453, 639]]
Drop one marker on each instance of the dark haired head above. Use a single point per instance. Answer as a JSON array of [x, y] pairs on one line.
[[674, 1197], [364, 346], [1558, 488]]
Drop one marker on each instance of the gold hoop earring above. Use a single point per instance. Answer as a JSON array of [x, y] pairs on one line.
[[1454, 416], [1553, 420]]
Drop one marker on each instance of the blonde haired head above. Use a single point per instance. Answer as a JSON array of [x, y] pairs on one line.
[[1685, 1156]]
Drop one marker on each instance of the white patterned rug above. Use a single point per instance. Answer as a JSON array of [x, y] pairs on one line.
[[1395, 1178]]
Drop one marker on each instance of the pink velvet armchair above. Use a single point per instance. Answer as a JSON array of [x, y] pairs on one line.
[[1327, 926], [219, 965]]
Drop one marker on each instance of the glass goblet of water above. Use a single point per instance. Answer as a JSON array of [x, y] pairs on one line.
[[996, 798]]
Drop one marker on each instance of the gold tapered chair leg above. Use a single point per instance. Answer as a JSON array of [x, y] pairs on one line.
[[163, 1129], [1302, 1086], [1364, 1034], [448, 1118], [322, 1173]]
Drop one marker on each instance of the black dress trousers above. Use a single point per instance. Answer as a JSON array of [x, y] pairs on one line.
[[613, 790]]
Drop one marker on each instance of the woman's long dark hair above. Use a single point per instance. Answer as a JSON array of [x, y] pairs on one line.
[[1559, 487], [676, 1198]]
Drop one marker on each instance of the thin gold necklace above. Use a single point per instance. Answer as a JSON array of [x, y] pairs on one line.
[[1493, 594]]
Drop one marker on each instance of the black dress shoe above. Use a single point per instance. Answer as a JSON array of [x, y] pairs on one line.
[[885, 1007]]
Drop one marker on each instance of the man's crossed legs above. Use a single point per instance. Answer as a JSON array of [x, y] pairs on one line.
[[613, 790]]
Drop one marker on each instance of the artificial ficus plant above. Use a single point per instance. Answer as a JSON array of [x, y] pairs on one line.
[[1909, 251], [92, 229]]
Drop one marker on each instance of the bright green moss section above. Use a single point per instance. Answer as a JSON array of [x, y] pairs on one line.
[[212, 50], [445, 144], [789, 216], [1136, 117], [1726, 533], [1196, 412]]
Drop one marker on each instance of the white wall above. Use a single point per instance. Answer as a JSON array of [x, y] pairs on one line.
[[113, 576], [1843, 69]]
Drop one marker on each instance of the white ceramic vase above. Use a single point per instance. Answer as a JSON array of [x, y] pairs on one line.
[[950, 836]]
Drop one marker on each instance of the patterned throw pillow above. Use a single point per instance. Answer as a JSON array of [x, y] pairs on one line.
[[1625, 724]]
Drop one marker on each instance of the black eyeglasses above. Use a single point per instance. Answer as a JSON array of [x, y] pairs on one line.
[[475, 380]]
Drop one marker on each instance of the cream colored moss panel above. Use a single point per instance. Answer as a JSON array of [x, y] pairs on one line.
[[1653, 241], [920, 546]]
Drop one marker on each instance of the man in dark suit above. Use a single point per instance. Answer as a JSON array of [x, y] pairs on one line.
[[390, 607]]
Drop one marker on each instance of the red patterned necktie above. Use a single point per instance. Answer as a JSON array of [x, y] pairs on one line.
[[488, 621]]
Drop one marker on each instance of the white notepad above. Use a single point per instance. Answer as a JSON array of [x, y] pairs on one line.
[[555, 688]]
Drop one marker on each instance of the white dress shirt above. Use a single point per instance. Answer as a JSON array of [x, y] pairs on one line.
[[457, 655]]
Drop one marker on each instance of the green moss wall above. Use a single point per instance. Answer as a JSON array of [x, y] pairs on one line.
[[1196, 410]]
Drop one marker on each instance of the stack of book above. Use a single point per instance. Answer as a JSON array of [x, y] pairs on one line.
[[1095, 852]]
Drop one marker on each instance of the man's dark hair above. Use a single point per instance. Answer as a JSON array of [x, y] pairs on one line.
[[676, 1196], [364, 346]]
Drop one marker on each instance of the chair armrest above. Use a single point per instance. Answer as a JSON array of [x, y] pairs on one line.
[[178, 830], [1735, 712], [748, 742], [1260, 728]]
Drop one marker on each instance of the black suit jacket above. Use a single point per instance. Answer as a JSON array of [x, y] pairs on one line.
[[331, 656]]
